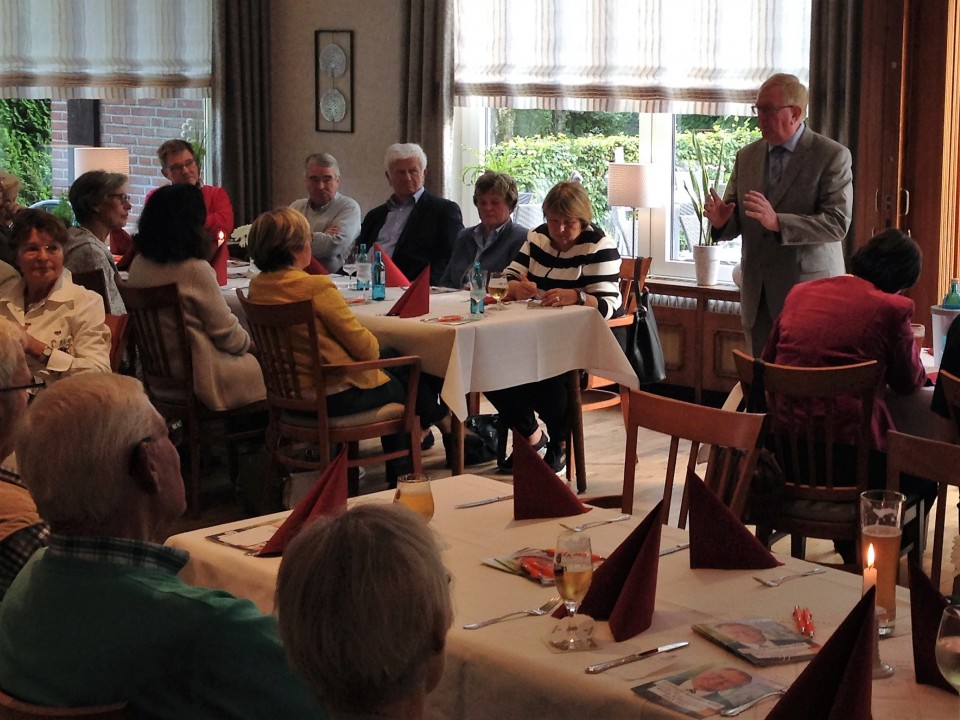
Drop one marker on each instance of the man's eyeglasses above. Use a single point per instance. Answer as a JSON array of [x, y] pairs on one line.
[[174, 433], [33, 249], [767, 109], [182, 166], [31, 386], [124, 198]]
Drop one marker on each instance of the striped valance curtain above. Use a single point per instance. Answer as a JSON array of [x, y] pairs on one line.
[[678, 56], [106, 49]]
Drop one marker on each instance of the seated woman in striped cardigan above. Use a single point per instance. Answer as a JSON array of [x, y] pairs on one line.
[[565, 261]]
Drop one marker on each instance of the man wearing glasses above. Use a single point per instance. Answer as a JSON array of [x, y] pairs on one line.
[[790, 197], [178, 163], [22, 532], [334, 218]]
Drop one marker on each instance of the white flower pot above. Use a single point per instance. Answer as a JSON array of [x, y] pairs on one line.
[[706, 261]]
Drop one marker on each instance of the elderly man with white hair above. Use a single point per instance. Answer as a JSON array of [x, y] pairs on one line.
[[414, 227], [22, 532], [100, 615]]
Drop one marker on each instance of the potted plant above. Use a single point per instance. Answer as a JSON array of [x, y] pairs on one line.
[[705, 253]]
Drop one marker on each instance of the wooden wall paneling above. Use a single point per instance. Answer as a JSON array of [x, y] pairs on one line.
[[722, 333]]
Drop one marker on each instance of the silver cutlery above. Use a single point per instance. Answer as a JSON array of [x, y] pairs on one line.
[[478, 503], [604, 666], [776, 582], [595, 523], [547, 607], [734, 711], [674, 548]]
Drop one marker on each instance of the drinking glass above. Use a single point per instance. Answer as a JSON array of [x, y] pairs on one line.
[[948, 645], [497, 288], [573, 572], [881, 516], [414, 491], [350, 262]]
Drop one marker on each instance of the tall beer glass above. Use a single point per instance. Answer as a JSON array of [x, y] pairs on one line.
[[881, 518]]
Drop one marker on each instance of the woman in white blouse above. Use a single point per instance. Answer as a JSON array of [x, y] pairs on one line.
[[62, 323]]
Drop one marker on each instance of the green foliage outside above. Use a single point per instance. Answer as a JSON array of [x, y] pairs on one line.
[[538, 163], [25, 147]]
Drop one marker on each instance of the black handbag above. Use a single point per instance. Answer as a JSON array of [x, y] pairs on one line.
[[640, 340]]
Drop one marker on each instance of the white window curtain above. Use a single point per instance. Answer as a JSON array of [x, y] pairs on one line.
[[666, 56], [106, 49]]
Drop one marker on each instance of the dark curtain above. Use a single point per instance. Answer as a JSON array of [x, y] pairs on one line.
[[429, 92], [241, 105], [835, 42]]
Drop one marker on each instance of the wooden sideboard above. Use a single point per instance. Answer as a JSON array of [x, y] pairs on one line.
[[697, 339]]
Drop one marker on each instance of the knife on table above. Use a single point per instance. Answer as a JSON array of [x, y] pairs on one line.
[[603, 667], [478, 503], [674, 548]]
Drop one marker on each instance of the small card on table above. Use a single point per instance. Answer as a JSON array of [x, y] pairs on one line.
[[761, 641]]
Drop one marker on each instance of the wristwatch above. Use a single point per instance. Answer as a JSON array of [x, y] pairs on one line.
[[581, 297], [47, 352]]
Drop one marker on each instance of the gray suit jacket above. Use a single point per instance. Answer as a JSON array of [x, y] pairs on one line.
[[814, 202]]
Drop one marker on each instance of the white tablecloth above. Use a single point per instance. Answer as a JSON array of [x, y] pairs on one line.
[[506, 348], [507, 671]]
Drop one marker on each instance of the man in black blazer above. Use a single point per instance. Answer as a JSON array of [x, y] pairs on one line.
[[414, 227]]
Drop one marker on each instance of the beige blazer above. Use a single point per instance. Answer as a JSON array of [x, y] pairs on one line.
[[814, 202]]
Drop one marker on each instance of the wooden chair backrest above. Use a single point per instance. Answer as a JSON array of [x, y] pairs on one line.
[[118, 338], [930, 460], [160, 334], [13, 709], [94, 280], [808, 446], [631, 268], [734, 439], [281, 333]]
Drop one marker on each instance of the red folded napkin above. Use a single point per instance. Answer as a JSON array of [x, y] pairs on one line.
[[315, 267], [926, 608], [415, 300], [624, 588], [219, 262], [717, 537], [837, 683], [328, 496], [394, 276], [537, 491]]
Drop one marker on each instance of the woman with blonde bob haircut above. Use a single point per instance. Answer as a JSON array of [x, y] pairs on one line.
[[363, 603], [279, 244]]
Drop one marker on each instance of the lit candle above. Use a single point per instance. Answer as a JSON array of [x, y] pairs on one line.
[[869, 572], [220, 239]]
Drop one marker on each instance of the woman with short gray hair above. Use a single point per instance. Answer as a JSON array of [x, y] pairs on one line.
[[363, 602], [101, 205]]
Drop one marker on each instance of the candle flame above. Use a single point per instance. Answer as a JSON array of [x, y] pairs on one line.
[[220, 238], [871, 555]]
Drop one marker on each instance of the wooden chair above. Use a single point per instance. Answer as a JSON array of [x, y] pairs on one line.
[[299, 417], [118, 325], [824, 477], [12, 709], [95, 281], [929, 460], [734, 439], [160, 334]]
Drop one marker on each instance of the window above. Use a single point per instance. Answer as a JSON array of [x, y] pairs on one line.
[[667, 63]]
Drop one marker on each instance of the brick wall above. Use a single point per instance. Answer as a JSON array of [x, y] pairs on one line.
[[138, 125]]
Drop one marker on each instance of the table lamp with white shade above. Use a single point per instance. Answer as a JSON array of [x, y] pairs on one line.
[[632, 185], [110, 159]]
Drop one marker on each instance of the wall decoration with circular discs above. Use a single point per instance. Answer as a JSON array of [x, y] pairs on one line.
[[334, 69]]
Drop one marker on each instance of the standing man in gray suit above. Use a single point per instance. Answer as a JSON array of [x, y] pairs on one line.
[[790, 197]]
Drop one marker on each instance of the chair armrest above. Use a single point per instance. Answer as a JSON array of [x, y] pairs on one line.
[[623, 321], [412, 360]]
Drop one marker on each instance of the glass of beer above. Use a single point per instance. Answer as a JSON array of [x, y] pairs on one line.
[[497, 288], [414, 491], [573, 572], [881, 517], [947, 649]]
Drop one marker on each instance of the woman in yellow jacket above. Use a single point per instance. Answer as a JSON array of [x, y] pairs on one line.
[[279, 244]]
